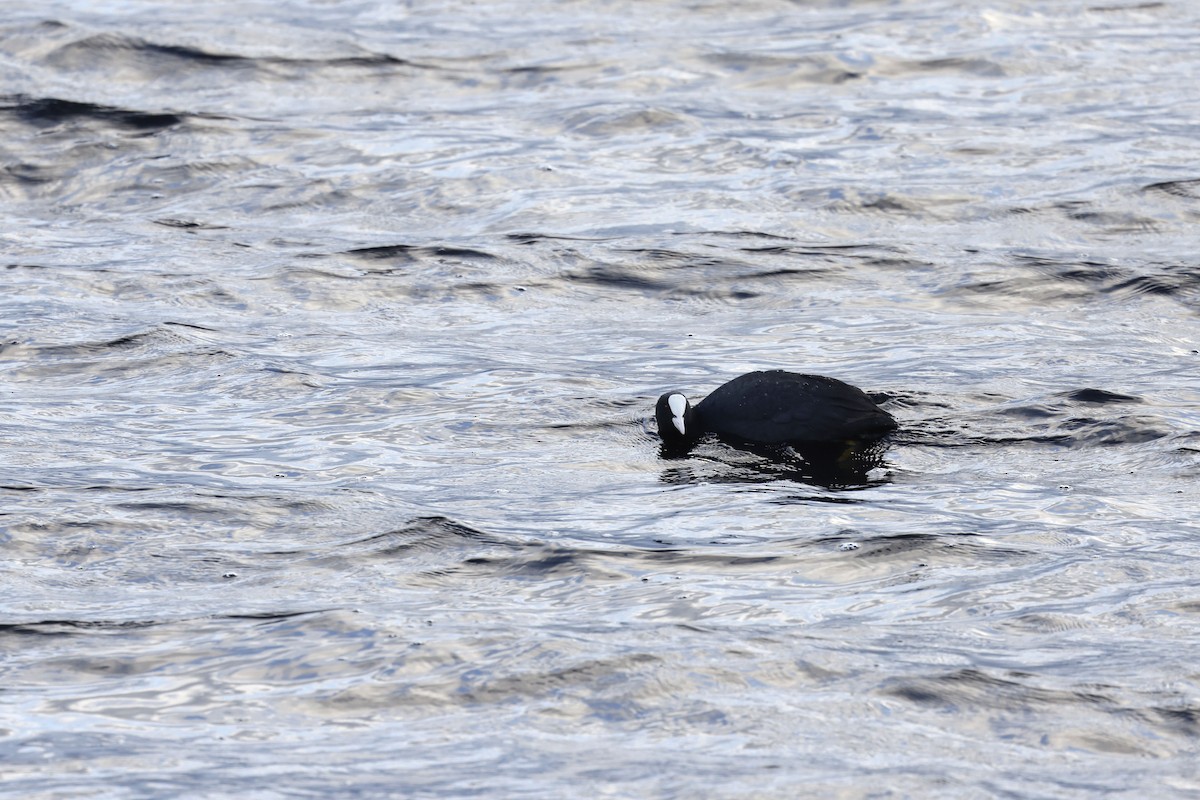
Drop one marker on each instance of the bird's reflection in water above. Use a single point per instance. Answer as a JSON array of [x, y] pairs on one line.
[[843, 466]]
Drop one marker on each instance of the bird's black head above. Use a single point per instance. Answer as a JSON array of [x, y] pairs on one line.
[[676, 421]]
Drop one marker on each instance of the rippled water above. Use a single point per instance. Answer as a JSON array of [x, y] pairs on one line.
[[332, 332]]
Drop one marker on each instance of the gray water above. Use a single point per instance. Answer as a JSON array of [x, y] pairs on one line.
[[331, 337]]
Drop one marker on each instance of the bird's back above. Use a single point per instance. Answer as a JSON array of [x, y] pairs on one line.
[[777, 407]]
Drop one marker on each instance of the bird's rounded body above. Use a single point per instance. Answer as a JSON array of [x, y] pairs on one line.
[[775, 407]]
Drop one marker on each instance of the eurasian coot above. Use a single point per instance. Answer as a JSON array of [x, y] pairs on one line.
[[774, 407]]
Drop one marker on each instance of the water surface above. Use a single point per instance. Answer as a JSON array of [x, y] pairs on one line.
[[332, 333]]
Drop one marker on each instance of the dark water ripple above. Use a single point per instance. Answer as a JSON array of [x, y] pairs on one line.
[[329, 338]]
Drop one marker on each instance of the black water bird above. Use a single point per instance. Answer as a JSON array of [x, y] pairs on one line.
[[775, 408]]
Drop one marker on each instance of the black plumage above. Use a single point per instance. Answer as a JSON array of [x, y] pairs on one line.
[[774, 407]]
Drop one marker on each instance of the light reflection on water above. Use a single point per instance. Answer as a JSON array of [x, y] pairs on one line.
[[332, 346]]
